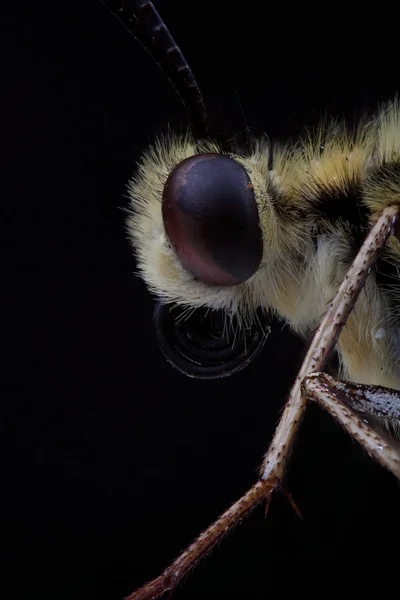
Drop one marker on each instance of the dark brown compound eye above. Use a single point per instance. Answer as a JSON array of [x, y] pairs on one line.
[[211, 219]]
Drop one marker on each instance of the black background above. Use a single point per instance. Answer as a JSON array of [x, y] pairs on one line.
[[112, 461]]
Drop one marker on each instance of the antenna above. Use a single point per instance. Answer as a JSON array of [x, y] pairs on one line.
[[145, 24]]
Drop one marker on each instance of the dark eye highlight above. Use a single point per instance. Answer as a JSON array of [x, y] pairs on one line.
[[211, 219]]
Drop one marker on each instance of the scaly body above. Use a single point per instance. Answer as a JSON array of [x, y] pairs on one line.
[[316, 199]]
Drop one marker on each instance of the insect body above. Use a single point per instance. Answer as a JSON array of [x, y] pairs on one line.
[[285, 241], [269, 228], [291, 230]]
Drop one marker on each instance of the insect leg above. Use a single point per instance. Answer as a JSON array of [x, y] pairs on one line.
[[341, 399], [277, 457], [374, 400], [324, 341]]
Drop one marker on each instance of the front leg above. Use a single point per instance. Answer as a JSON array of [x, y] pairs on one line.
[[374, 400], [342, 399]]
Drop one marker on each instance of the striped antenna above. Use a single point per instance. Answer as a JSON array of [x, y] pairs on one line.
[[143, 21]]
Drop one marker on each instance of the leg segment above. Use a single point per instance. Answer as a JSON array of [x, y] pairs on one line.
[[341, 399]]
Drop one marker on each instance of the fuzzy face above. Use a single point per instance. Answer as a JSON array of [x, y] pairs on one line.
[[316, 199]]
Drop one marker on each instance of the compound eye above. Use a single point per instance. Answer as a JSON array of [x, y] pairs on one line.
[[211, 219]]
